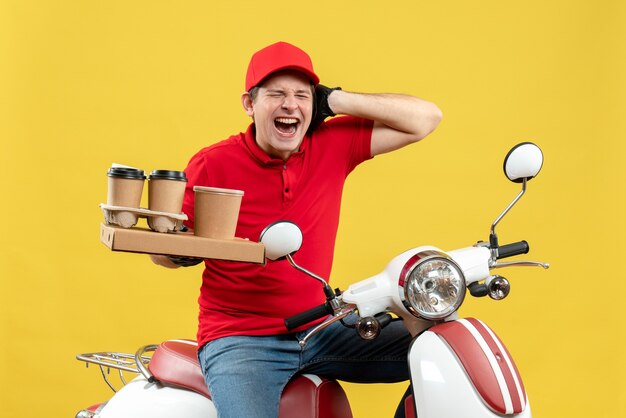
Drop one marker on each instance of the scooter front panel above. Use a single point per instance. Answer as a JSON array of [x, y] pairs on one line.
[[487, 363], [448, 385]]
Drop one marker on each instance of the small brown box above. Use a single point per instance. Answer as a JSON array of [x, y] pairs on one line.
[[139, 240]]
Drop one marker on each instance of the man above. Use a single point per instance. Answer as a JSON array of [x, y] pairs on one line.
[[292, 166]]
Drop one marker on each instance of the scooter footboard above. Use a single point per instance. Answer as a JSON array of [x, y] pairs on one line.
[[461, 368]]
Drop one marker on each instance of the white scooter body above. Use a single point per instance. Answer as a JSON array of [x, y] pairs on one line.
[[485, 383], [140, 398]]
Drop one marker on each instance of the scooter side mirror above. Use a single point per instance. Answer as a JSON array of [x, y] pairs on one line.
[[281, 239], [523, 161]]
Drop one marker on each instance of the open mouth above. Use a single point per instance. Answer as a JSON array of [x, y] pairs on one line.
[[287, 126]]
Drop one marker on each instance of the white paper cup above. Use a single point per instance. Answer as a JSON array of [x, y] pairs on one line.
[[216, 212]]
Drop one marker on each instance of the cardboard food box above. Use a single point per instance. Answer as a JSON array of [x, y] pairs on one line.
[[140, 240]]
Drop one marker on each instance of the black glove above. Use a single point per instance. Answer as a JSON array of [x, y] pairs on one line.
[[321, 110], [185, 261]]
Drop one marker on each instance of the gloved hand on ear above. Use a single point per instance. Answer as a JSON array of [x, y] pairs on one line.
[[321, 109]]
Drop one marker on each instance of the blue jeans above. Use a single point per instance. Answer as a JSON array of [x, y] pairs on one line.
[[246, 375]]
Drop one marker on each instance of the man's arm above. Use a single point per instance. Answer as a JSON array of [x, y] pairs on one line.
[[399, 120]]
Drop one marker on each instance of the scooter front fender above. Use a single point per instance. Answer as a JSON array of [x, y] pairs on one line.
[[462, 369], [141, 399]]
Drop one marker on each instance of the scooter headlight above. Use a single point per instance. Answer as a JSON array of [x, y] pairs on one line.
[[431, 285]]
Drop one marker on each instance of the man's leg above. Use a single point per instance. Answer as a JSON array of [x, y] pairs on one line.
[[339, 353], [246, 375]]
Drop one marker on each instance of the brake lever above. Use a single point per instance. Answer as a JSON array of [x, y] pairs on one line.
[[498, 264], [342, 313]]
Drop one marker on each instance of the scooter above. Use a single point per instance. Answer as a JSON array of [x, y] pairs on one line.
[[459, 367]]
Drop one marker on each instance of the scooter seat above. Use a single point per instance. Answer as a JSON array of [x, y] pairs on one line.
[[175, 363]]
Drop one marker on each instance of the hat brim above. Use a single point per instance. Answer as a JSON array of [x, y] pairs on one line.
[[315, 80]]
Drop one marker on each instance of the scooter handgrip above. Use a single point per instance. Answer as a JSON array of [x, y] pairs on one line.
[[512, 249], [308, 316]]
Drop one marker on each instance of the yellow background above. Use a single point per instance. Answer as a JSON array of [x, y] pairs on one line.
[[84, 84]]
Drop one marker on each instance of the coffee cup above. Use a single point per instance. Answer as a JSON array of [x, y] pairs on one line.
[[125, 186], [216, 212], [166, 189]]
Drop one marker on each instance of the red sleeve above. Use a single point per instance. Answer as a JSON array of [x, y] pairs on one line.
[[349, 135]]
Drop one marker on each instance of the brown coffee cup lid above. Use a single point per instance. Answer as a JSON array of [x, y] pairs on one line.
[[203, 189]]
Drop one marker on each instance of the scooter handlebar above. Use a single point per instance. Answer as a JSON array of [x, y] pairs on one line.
[[512, 249], [310, 315]]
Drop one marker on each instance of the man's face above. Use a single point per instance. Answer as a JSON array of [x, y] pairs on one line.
[[282, 112]]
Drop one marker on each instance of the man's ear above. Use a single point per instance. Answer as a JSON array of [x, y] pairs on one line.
[[246, 101]]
